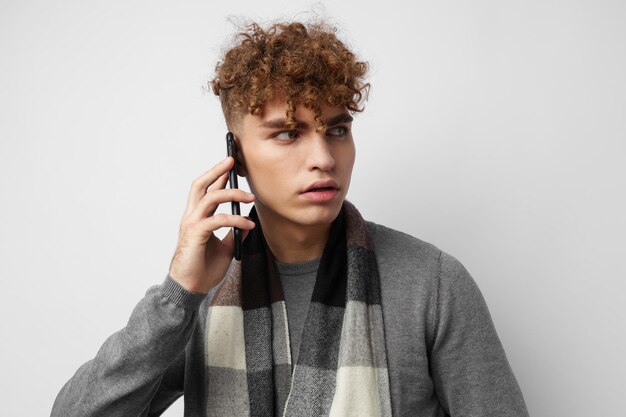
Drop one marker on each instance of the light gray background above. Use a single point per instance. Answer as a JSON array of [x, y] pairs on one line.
[[494, 129]]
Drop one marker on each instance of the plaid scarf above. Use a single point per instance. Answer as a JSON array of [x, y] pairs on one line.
[[342, 363]]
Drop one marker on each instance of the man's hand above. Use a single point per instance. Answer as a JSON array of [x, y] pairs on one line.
[[201, 258]]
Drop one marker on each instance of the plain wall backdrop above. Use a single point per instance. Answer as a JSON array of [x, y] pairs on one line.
[[494, 130]]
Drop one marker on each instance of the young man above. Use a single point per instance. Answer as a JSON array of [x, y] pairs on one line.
[[326, 313]]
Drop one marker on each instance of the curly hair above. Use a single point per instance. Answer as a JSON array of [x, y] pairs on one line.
[[306, 65]]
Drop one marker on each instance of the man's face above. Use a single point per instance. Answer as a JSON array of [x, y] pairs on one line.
[[280, 164]]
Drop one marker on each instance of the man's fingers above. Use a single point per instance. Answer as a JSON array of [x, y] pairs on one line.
[[200, 185], [229, 239], [209, 203], [219, 183], [220, 220], [246, 232]]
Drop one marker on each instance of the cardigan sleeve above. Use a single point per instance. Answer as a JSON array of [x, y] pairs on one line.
[[139, 370], [469, 367]]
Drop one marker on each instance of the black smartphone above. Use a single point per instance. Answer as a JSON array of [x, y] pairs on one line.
[[232, 179]]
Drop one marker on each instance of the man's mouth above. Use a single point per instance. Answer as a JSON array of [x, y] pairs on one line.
[[321, 186], [321, 194], [320, 189]]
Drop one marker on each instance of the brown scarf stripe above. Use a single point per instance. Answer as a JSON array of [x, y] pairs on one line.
[[229, 291]]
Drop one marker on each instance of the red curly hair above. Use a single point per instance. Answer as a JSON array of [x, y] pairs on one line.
[[306, 65]]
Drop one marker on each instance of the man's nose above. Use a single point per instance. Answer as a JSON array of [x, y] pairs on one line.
[[319, 153]]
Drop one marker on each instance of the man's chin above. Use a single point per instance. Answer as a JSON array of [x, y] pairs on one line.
[[318, 214], [302, 213]]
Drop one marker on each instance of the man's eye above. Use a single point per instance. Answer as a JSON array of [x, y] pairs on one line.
[[337, 131], [287, 135]]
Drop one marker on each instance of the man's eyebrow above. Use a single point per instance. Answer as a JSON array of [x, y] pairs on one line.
[[341, 118], [282, 122]]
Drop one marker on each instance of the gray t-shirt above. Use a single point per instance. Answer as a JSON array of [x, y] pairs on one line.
[[298, 280]]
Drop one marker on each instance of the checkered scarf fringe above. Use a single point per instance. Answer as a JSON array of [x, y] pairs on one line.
[[342, 363]]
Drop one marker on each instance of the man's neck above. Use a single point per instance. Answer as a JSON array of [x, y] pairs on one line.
[[291, 242]]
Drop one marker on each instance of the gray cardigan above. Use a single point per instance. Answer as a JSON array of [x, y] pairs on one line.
[[444, 355]]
